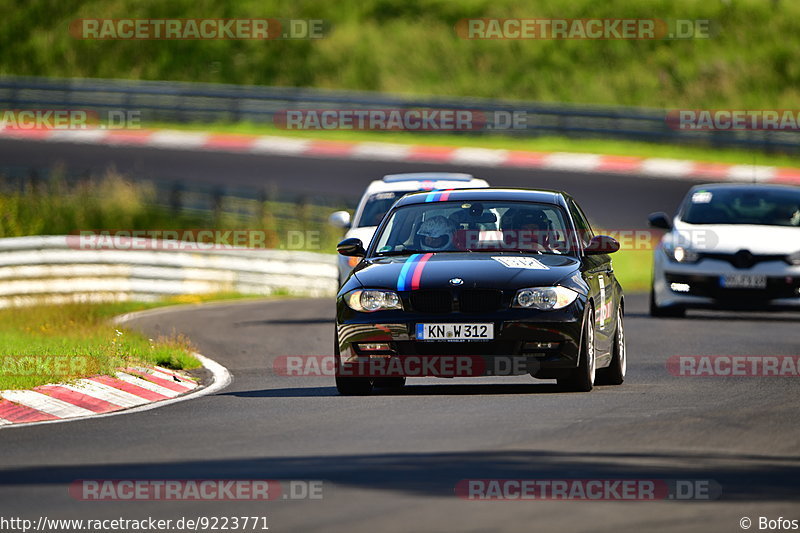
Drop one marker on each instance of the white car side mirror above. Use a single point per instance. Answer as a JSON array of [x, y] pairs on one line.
[[340, 219]]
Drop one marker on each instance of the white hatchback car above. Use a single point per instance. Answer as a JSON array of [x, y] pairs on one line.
[[729, 247], [379, 197]]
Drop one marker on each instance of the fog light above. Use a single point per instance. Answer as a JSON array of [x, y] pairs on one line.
[[679, 287], [374, 347], [540, 346]]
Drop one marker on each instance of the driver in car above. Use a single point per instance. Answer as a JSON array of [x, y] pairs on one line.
[[527, 230], [436, 234]]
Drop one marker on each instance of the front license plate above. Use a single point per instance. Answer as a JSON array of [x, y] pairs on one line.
[[455, 332], [743, 281]]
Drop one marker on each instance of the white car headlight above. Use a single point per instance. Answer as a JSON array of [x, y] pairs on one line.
[[794, 259], [681, 254], [371, 300], [544, 298]]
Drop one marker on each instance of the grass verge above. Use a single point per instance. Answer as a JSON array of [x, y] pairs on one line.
[[57, 206], [58, 343], [633, 269]]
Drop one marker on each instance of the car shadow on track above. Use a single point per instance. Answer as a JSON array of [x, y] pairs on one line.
[[411, 390], [741, 477]]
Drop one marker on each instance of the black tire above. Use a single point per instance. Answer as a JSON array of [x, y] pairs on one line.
[[582, 378], [614, 374], [390, 383], [673, 311], [350, 386]]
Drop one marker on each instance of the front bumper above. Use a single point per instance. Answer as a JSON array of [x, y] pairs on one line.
[[544, 344], [705, 289]]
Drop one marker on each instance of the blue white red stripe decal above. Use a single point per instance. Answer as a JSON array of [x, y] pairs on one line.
[[418, 271], [411, 273], [403, 277], [438, 196]]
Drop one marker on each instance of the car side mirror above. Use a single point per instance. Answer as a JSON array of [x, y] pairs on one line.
[[340, 219], [659, 220], [351, 248], [602, 244]]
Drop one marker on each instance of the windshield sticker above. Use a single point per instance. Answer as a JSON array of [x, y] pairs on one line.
[[520, 262], [701, 197]]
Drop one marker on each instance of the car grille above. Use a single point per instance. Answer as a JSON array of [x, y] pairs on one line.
[[742, 259], [470, 301], [480, 300], [431, 301]]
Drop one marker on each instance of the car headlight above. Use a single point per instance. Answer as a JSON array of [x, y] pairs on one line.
[[544, 298], [371, 300], [681, 254], [793, 259]]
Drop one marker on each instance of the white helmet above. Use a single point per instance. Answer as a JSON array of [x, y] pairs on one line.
[[436, 233]]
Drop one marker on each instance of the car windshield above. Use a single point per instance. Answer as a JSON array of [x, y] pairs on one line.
[[475, 226], [777, 207], [376, 207]]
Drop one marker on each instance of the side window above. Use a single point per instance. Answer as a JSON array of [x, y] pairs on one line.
[[585, 232]]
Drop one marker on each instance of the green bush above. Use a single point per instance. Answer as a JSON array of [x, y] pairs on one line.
[[410, 46]]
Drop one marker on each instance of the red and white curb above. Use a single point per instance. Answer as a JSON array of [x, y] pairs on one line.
[[94, 395], [376, 151], [131, 390]]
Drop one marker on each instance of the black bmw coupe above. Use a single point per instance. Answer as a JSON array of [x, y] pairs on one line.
[[477, 282]]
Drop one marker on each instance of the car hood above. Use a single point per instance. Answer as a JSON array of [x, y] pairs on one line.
[[730, 238], [476, 269]]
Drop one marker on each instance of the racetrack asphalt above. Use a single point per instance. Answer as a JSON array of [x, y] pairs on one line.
[[391, 462]]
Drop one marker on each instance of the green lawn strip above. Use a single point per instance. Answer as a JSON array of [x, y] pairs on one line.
[[58, 343], [505, 142]]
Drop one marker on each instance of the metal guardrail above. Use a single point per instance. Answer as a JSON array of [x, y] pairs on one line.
[[160, 101], [49, 269]]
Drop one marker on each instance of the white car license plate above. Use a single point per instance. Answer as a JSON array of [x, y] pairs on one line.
[[455, 332], [744, 281]]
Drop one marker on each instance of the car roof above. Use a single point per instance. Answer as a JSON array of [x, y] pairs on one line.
[[744, 186], [414, 182], [428, 176], [489, 194]]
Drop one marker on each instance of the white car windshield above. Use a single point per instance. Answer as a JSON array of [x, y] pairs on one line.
[[376, 207], [474, 226], [771, 207]]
